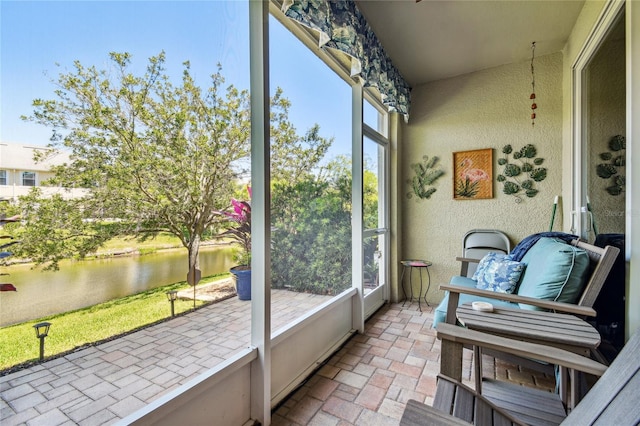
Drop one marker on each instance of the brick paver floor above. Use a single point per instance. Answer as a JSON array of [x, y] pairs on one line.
[[367, 382], [370, 380], [104, 383]]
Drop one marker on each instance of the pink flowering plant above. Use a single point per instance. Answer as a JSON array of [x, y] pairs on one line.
[[239, 230]]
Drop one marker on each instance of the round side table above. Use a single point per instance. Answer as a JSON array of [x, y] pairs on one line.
[[420, 264]]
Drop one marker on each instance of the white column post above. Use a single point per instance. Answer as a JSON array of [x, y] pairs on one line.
[[260, 212], [357, 227]]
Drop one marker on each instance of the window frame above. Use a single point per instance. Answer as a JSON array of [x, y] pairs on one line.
[[24, 178]]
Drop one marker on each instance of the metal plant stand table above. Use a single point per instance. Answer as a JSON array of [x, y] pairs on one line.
[[420, 264]]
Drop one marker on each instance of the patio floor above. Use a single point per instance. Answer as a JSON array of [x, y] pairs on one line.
[[104, 383], [370, 380], [366, 383]]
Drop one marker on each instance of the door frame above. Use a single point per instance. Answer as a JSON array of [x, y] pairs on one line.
[[605, 23]]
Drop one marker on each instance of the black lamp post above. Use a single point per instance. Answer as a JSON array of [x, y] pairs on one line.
[[42, 330], [172, 296]]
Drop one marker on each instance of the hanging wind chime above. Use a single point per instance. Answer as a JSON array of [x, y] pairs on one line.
[[533, 86]]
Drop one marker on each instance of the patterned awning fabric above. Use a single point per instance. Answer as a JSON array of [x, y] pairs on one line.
[[341, 26]]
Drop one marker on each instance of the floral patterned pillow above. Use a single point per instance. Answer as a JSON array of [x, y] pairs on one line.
[[485, 261], [500, 275]]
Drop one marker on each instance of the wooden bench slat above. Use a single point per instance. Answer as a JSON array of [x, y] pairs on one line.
[[484, 413], [622, 370], [623, 409], [539, 318], [521, 396], [463, 405], [524, 349], [543, 408], [418, 414], [527, 326], [445, 392]]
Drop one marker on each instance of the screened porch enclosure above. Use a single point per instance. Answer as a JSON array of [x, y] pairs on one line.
[[246, 387], [328, 222]]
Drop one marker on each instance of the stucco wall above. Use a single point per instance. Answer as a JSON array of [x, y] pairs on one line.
[[486, 109]]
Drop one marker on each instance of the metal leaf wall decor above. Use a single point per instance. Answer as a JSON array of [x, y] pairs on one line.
[[426, 174], [521, 172]]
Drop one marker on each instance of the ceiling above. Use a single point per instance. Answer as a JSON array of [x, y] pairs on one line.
[[434, 39]]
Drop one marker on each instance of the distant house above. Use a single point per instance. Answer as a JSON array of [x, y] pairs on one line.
[[19, 171]]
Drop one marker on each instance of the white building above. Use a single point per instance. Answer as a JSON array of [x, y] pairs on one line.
[[19, 171]]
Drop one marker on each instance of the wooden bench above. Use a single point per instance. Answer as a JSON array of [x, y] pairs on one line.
[[613, 400], [601, 261]]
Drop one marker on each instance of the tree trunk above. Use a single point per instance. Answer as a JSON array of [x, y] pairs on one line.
[[194, 257], [193, 275]]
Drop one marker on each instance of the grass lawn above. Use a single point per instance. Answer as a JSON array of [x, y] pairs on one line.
[[18, 343]]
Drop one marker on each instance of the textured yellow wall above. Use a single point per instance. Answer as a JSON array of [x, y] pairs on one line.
[[485, 109]]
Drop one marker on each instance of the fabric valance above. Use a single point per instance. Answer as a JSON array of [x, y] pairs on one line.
[[341, 26]]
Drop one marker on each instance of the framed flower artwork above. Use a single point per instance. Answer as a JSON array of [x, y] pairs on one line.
[[473, 174]]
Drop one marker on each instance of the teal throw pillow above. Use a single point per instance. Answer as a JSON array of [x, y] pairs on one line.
[[501, 275], [555, 271]]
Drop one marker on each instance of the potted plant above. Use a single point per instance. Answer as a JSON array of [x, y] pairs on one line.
[[239, 232]]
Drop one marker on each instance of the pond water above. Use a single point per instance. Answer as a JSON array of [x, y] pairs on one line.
[[85, 283]]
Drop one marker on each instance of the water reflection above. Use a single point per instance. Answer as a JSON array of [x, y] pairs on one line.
[[80, 284]]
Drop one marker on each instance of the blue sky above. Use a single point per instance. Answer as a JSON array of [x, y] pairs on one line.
[[35, 35]]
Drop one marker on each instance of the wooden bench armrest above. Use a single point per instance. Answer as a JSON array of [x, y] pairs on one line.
[[417, 413], [550, 354], [455, 290], [464, 266], [467, 260]]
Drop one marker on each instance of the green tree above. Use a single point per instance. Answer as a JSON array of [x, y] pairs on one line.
[[294, 158], [311, 221], [55, 228], [156, 157], [311, 249]]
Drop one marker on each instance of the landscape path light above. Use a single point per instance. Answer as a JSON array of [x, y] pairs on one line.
[[42, 330], [172, 296]]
